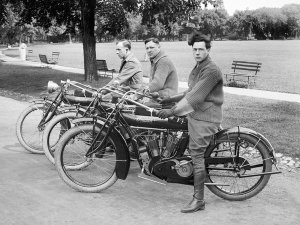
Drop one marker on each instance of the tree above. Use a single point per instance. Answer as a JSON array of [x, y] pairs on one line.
[[292, 12], [168, 12], [81, 13], [269, 23], [213, 21], [3, 13], [135, 29]]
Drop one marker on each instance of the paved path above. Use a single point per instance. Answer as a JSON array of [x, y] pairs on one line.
[[182, 85]]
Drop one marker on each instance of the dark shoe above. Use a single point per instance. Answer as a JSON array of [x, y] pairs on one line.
[[193, 206]]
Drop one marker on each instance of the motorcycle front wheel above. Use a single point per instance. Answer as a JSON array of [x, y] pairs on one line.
[[239, 177], [28, 133], [99, 170]]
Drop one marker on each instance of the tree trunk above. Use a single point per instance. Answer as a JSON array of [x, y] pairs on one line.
[[88, 38]]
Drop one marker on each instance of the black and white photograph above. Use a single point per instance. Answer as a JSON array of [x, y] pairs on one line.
[[148, 112]]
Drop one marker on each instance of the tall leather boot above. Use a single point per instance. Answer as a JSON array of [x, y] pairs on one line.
[[197, 202]]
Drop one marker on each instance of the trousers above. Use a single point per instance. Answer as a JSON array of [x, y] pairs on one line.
[[200, 133]]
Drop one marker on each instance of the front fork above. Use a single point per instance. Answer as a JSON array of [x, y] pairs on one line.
[[93, 149]]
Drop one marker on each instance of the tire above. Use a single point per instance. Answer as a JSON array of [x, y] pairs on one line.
[[54, 130], [98, 172], [28, 134], [250, 149]]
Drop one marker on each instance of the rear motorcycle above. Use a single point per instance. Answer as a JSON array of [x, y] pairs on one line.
[[238, 160]]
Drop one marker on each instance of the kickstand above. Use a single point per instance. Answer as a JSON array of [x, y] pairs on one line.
[[151, 178]]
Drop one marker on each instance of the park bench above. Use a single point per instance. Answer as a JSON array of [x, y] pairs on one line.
[[29, 55], [55, 56], [44, 59], [102, 69], [243, 71]]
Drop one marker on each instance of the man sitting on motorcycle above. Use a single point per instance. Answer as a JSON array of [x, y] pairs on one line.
[[202, 103]]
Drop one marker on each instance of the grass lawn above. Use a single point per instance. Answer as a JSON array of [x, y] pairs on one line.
[[277, 121], [280, 59]]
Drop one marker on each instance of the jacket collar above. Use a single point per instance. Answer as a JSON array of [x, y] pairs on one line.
[[160, 55], [202, 64], [129, 57]]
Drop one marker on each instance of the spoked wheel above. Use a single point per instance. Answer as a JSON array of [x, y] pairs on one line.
[[53, 132], [240, 177], [28, 132], [87, 174]]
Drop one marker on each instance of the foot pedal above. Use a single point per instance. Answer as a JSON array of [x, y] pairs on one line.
[[151, 178]]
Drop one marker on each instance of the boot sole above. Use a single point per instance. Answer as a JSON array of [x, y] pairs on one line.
[[194, 210]]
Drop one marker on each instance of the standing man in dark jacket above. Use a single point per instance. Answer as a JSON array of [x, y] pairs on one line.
[[203, 104], [163, 75]]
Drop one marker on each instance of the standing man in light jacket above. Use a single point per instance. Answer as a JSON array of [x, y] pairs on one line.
[[130, 73], [203, 105], [163, 76]]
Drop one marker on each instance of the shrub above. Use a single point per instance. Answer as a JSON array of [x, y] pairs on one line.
[[236, 84]]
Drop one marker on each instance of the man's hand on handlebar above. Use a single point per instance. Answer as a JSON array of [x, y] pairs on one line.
[[165, 113]]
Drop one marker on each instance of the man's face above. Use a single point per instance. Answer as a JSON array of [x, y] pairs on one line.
[[199, 51], [152, 49], [121, 50]]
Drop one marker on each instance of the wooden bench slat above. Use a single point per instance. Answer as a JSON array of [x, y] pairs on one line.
[[243, 68], [234, 61], [244, 65]]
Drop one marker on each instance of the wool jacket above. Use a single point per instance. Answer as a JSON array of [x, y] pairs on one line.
[[205, 93], [163, 76], [130, 73]]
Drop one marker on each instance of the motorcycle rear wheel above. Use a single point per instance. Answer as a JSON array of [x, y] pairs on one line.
[[99, 170], [254, 159]]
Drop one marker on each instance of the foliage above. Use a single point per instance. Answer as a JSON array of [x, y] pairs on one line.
[[212, 21], [236, 84], [269, 23], [169, 11], [240, 23], [292, 12], [3, 13]]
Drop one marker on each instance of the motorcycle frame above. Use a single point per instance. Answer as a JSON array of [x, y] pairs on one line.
[[116, 119]]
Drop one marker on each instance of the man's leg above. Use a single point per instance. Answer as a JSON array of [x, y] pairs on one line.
[[200, 135]]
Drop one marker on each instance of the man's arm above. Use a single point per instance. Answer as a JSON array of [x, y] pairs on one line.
[[160, 77], [128, 70]]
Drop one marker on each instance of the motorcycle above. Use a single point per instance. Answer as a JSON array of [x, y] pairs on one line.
[[32, 121], [92, 157]]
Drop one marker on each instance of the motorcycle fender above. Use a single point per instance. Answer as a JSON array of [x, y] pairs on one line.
[[38, 101], [122, 154], [224, 134]]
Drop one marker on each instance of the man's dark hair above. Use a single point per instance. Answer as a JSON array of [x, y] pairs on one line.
[[197, 36], [155, 40], [126, 44]]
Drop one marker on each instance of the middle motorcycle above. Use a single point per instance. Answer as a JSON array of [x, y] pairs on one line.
[[238, 160]]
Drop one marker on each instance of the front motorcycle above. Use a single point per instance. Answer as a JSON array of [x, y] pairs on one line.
[[238, 160]]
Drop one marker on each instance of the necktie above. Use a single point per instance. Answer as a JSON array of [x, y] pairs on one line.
[[122, 65]]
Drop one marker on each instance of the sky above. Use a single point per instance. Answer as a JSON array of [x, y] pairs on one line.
[[232, 5]]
